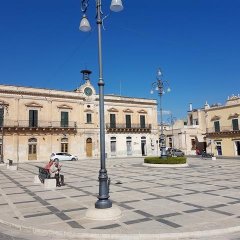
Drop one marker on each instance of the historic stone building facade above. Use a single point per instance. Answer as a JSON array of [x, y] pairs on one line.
[[212, 128], [36, 122], [223, 133]]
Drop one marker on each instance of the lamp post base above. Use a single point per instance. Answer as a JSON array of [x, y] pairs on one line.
[[112, 213], [103, 203], [163, 152]]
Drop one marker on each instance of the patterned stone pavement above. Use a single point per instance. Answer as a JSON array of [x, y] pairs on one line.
[[200, 201]]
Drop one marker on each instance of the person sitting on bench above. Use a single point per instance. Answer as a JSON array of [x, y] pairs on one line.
[[55, 172], [49, 165]]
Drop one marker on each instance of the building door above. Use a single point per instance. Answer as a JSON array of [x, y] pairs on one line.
[[64, 145], [219, 148], [89, 147], [143, 146], [237, 144], [113, 146], [129, 146], [32, 149]]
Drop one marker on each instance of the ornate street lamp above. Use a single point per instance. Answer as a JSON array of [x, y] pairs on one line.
[[161, 86], [116, 6]]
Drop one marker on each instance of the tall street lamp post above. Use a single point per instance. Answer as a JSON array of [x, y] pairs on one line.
[[161, 86], [116, 6]]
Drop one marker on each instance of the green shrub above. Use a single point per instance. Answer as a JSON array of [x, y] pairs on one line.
[[168, 160]]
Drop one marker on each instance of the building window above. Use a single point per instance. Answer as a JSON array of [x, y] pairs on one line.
[[1, 116], [113, 146], [142, 121], [128, 121], [33, 118], [191, 120], [235, 125], [129, 145], [64, 119], [217, 126], [89, 118], [64, 145], [112, 120], [195, 121]]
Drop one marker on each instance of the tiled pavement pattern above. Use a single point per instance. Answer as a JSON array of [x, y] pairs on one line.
[[204, 196]]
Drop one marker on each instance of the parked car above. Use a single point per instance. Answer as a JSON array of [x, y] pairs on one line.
[[175, 152], [207, 155], [61, 156]]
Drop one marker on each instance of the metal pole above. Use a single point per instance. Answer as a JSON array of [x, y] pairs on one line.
[[172, 121], [163, 146], [103, 197]]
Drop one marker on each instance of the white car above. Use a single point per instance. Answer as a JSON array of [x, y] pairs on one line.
[[61, 156]]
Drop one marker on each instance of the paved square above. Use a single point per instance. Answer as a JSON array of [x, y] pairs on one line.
[[203, 196]]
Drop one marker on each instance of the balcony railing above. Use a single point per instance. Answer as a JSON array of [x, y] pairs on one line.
[[128, 127], [39, 124], [223, 129]]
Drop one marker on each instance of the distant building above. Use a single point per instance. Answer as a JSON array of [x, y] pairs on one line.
[[36, 122], [188, 135], [212, 128], [223, 133]]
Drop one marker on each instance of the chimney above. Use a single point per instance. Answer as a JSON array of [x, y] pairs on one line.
[[190, 106]]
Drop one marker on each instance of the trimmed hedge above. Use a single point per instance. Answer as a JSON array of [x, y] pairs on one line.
[[168, 160]]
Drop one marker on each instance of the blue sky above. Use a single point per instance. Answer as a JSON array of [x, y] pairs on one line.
[[195, 42]]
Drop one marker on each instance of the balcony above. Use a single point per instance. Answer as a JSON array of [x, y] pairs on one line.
[[122, 128], [223, 131], [39, 126]]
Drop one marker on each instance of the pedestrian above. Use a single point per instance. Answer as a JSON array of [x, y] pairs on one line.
[[55, 172]]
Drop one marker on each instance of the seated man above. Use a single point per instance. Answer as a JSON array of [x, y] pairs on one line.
[[48, 166], [55, 172]]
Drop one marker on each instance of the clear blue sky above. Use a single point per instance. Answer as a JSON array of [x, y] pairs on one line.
[[195, 42]]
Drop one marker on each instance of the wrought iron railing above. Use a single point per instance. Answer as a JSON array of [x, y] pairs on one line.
[[128, 126], [222, 129], [39, 124]]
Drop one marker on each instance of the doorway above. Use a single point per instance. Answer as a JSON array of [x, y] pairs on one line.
[[143, 146], [219, 148], [32, 149], [89, 147], [237, 148], [129, 145]]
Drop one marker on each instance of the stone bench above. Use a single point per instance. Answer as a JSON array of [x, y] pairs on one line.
[[50, 183]]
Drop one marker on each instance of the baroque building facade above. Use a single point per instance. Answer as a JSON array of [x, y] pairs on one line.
[[222, 132], [214, 129], [36, 122]]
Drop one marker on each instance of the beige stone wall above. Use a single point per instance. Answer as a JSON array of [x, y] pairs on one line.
[[50, 103], [227, 137]]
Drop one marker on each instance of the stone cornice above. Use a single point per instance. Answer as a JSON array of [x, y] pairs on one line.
[[43, 94], [72, 95]]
